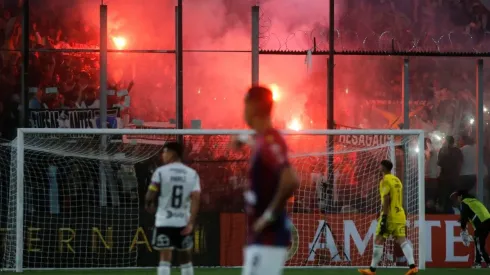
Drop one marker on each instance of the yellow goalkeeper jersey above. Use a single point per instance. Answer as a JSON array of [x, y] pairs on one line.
[[391, 185]]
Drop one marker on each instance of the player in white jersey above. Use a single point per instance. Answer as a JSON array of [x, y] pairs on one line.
[[178, 191]]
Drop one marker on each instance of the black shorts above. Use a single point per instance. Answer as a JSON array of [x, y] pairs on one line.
[[171, 237], [483, 230]]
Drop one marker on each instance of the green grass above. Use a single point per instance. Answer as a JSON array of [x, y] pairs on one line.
[[236, 271]]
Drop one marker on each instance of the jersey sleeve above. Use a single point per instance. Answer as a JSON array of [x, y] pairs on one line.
[[156, 180], [197, 185], [274, 152], [385, 187]]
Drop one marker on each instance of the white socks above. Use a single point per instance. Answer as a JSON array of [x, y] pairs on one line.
[[377, 255], [187, 269], [163, 268], [408, 252]]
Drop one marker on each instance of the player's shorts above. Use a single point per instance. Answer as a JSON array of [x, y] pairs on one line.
[[261, 259], [393, 229], [171, 237]]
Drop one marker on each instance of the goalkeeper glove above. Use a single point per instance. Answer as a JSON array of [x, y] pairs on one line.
[[465, 236], [383, 225]]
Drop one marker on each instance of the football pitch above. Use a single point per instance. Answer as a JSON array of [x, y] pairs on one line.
[[236, 271]]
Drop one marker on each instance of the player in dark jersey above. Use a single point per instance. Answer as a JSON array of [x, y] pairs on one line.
[[473, 211], [272, 181]]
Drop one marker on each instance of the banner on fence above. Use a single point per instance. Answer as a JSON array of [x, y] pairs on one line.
[[149, 139], [361, 140], [72, 118], [349, 236]]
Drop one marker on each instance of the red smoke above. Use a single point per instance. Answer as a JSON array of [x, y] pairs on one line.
[[214, 83]]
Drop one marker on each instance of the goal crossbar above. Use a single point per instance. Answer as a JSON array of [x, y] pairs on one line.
[[91, 131]]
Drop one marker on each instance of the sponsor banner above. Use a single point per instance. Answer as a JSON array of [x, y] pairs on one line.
[[110, 237], [73, 118], [362, 140], [347, 239]]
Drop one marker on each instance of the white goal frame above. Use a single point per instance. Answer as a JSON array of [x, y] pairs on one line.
[[19, 147]]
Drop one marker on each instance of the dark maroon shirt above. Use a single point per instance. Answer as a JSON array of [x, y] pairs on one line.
[[268, 159]]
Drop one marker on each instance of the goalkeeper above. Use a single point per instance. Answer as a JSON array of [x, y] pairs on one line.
[[473, 211], [392, 222]]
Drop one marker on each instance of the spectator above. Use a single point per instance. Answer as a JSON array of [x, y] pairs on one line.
[[467, 179], [68, 89], [82, 85], [62, 103], [11, 117], [35, 96], [431, 174], [90, 99], [450, 160]]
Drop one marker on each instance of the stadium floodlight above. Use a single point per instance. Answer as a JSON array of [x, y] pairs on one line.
[[54, 175]]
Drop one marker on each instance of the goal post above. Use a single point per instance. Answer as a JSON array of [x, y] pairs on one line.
[[77, 155], [19, 195]]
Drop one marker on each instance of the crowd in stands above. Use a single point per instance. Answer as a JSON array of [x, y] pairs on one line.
[[55, 80], [452, 167], [70, 80]]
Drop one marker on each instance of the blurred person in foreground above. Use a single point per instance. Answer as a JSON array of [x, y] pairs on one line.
[[272, 181], [473, 211], [178, 189], [450, 160], [392, 222]]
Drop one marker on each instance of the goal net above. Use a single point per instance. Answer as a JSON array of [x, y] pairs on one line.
[[75, 196]]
